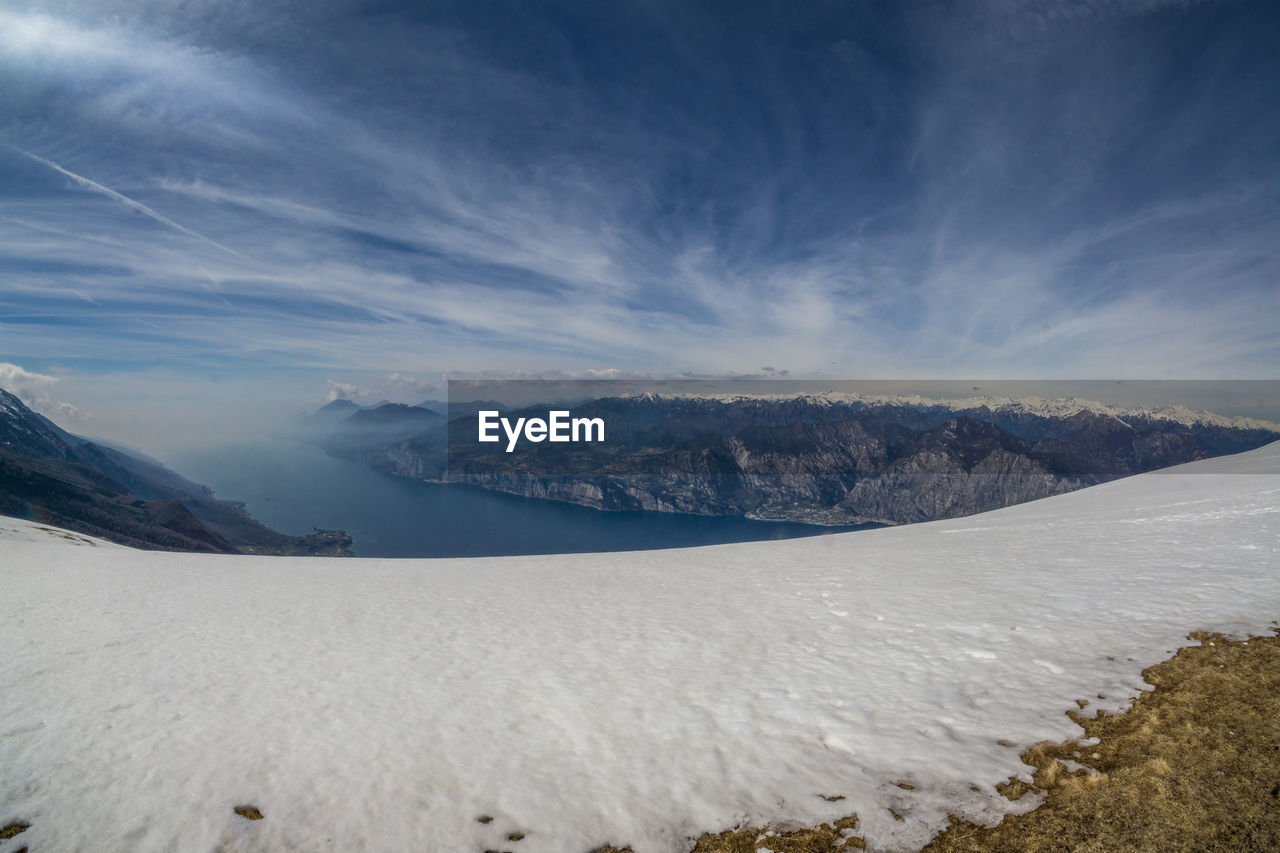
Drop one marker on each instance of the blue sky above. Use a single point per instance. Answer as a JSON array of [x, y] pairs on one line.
[[265, 201]]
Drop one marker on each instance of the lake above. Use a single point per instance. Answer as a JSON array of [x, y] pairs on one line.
[[295, 487]]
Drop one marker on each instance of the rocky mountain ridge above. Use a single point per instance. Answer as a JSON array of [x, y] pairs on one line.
[[812, 458], [1046, 407]]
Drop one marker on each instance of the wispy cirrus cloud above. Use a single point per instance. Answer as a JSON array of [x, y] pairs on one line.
[[137, 206], [999, 189]]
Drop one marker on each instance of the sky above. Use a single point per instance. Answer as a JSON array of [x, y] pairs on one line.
[[210, 208]]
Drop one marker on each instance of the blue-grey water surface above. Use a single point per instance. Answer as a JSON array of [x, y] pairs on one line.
[[294, 487]]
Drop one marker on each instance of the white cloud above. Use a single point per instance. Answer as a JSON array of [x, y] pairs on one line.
[[415, 386], [35, 390], [396, 387], [342, 391]]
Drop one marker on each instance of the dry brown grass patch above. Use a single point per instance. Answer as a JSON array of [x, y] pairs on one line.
[[820, 839], [1193, 765]]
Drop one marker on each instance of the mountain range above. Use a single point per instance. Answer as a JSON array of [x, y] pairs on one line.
[[816, 459]]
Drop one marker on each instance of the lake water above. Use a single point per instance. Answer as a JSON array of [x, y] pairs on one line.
[[295, 487]]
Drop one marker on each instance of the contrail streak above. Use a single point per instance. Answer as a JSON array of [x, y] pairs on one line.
[[94, 186]]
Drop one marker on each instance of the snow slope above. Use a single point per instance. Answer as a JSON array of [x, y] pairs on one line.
[[632, 698]]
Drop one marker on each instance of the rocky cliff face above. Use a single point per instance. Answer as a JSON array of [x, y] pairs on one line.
[[810, 460], [832, 473]]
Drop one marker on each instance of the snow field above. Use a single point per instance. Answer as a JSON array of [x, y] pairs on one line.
[[631, 698]]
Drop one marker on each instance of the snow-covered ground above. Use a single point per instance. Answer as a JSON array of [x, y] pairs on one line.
[[632, 698]]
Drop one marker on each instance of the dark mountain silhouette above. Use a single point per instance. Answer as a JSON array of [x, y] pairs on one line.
[[391, 418], [331, 414]]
